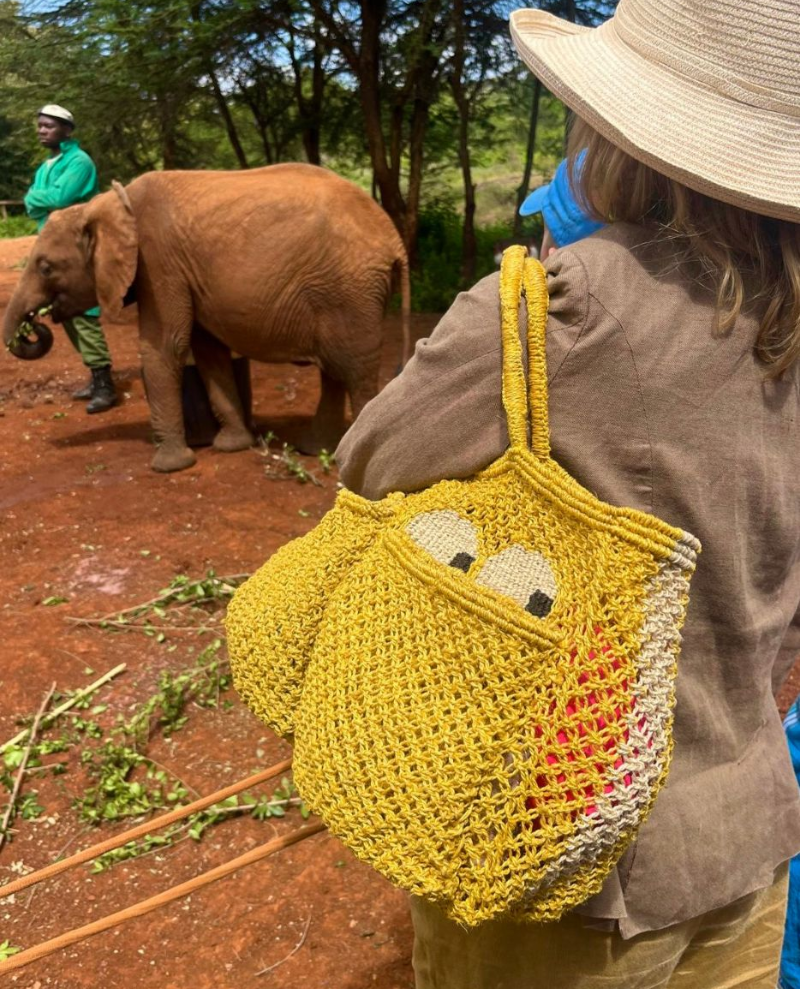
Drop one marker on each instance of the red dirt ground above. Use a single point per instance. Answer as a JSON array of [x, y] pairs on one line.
[[80, 508], [86, 519]]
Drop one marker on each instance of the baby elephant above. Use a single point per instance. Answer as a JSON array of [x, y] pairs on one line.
[[289, 263]]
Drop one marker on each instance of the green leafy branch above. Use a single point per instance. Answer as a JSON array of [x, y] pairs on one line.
[[285, 464], [26, 328], [202, 684], [123, 779], [261, 808], [183, 592], [117, 792]]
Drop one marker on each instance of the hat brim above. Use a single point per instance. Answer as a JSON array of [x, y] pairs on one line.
[[740, 154]]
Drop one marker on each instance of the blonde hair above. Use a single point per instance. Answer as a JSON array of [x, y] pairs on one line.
[[747, 258]]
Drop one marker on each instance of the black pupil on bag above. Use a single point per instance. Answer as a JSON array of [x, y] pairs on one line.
[[539, 604], [462, 561]]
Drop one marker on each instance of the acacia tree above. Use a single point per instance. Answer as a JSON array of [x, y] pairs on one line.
[[480, 51], [131, 69], [17, 142], [214, 26], [394, 53], [408, 86], [265, 89], [522, 188], [308, 48], [148, 52], [272, 59]]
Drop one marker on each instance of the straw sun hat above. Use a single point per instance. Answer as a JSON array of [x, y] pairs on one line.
[[704, 91]]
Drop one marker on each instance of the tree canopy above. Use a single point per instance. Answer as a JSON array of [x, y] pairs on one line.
[[421, 101]]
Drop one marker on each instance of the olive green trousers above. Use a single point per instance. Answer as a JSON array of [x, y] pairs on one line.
[[735, 946], [86, 336]]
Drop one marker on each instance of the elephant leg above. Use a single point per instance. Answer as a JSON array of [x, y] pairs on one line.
[[349, 364], [213, 361], [358, 353], [325, 430], [163, 358], [362, 385]]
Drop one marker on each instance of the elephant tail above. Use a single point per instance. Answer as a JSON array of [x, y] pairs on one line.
[[405, 307]]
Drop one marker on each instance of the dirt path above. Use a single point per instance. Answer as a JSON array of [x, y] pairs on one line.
[[85, 519]]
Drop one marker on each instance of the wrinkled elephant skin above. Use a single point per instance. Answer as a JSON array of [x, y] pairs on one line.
[[281, 264]]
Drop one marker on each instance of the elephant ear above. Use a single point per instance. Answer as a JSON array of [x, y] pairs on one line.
[[112, 246]]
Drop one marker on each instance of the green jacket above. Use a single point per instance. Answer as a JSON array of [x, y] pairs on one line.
[[64, 179]]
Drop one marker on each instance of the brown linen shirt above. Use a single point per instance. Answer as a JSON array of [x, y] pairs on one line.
[[649, 408]]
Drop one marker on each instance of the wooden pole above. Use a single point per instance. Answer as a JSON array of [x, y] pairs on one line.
[[146, 906], [148, 827]]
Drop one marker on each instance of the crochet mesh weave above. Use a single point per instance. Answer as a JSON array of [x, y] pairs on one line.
[[272, 620], [482, 700]]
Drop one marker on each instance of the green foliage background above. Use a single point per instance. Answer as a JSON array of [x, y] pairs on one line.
[[215, 84]]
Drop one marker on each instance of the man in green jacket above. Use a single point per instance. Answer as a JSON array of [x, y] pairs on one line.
[[68, 177]]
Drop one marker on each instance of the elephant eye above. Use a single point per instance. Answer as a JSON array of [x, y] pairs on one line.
[[45, 267], [447, 536], [523, 575]]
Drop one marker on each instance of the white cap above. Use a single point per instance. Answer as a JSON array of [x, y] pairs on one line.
[[59, 112]]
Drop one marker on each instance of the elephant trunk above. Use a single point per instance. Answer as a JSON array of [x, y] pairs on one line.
[[23, 337]]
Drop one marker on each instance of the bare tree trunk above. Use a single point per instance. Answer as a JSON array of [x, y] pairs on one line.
[[309, 110], [522, 189], [469, 245], [269, 157], [421, 82], [230, 126], [396, 138], [311, 134], [169, 142], [469, 241], [419, 123], [278, 144], [388, 182], [222, 106], [258, 119], [365, 63]]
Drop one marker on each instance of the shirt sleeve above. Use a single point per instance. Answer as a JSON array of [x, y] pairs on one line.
[[73, 185], [443, 416]]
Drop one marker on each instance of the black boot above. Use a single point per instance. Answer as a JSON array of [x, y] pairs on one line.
[[104, 395], [85, 392]]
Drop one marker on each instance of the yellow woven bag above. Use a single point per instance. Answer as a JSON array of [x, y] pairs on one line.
[[485, 714], [272, 620]]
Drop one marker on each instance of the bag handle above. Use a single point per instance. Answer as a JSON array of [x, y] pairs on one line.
[[522, 275]]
